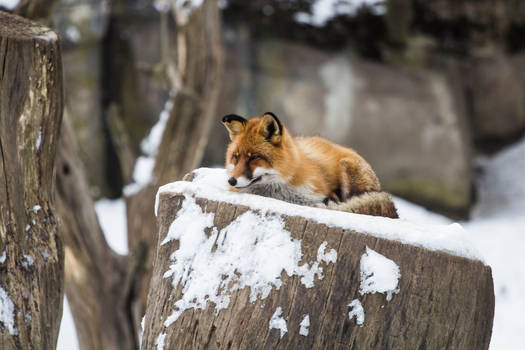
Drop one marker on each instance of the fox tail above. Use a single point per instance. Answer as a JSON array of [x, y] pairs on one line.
[[368, 203]]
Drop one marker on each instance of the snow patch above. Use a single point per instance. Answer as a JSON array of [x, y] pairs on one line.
[[144, 165], [305, 325], [36, 208], [3, 256], [7, 312], [39, 138], [278, 322], [324, 10], [213, 184], [378, 274], [28, 261], [111, 214], [160, 341], [357, 311], [210, 267], [9, 4], [48, 35]]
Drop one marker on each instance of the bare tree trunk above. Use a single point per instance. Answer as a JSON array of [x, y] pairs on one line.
[[199, 68], [99, 284], [441, 301], [31, 252]]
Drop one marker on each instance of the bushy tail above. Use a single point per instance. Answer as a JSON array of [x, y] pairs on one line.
[[368, 203]]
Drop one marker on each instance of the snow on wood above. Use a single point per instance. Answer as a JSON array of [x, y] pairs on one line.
[[357, 311], [229, 265], [278, 322], [378, 274], [212, 184]]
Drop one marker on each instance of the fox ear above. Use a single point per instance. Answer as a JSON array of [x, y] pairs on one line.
[[271, 129], [234, 123]]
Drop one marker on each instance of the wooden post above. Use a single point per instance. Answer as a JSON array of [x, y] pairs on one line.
[[442, 301], [31, 252]]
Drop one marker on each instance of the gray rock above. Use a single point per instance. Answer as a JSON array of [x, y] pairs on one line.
[[497, 100], [408, 123]]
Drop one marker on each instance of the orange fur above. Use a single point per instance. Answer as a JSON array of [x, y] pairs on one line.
[[326, 168]]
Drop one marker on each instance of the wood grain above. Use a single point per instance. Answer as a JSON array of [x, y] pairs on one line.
[[31, 102]]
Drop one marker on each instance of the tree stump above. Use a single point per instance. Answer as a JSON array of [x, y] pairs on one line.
[[439, 301], [31, 253]]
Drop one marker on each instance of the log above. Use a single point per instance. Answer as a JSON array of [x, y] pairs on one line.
[[440, 300], [183, 141], [31, 252]]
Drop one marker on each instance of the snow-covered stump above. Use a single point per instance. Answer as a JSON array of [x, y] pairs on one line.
[[31, 253], [237, 271]]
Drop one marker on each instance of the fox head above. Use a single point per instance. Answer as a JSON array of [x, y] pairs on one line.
[[255, 147]]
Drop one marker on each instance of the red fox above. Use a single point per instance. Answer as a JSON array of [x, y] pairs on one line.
[[264, 159]]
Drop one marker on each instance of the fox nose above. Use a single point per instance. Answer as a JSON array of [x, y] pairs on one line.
[[232, 181]]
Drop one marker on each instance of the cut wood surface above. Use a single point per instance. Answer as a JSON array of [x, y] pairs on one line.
[[31, 253], [443, 301]]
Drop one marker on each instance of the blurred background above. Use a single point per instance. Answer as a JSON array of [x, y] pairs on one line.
[[431, 93]]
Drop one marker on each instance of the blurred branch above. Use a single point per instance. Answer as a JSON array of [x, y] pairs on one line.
[[195, 83], [98, 280]]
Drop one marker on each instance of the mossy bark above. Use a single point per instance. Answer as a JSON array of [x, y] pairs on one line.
[[32, 264]]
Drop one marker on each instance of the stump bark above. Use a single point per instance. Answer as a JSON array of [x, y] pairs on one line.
[[31, 252], [444, 301]]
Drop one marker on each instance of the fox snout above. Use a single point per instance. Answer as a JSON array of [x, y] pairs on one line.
[[232, 181]]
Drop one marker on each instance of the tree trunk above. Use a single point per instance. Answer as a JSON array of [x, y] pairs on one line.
[[185, 136], [31, 252], [99, 282], [442, 301]]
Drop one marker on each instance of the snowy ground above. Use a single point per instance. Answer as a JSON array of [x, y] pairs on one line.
[[497, 230]]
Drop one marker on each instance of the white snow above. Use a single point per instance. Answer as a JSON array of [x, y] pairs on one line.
[[497, 230], [212, 184], [144, 165], [67, 335], [36, 208], [7, 312], [378, 274], [331, 256], [111, 215], [211, 266], [3, 256], [357, 311], [278, 322], [305, 325], [324, 10], [39, 138], [28, 261], [73, 33], [48, 35], [9, 4], [160, 341]]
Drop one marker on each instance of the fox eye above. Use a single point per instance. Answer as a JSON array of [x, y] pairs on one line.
[[235, 159], [253, 158]]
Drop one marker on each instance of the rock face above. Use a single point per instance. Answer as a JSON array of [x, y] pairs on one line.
[[435, 300], [497, 91], [409, 123]]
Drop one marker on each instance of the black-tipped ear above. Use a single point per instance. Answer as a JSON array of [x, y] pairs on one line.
[[271, 129], [234, 123]]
